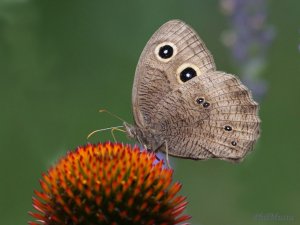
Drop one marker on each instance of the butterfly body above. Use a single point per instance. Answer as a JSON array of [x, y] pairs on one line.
[[180, 101]]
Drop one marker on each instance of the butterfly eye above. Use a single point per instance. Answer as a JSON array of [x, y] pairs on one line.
[[165, 51], [187, 74]]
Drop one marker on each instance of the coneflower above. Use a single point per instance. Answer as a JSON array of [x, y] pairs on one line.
[[108, 184]]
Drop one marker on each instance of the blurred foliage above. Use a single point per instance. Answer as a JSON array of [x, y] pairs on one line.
[[61, 61]]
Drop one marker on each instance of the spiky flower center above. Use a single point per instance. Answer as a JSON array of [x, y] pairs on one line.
[[108, 184]]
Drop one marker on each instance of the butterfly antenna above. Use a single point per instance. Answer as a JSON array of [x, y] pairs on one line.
[[112, 129], [112, 114], [118, 129]]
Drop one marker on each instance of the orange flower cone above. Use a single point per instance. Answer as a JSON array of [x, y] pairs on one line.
[[108, 184]]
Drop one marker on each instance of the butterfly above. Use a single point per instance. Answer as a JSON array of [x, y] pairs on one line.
[[183, 106]]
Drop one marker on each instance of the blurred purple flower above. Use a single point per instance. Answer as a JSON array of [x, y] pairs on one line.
[[160, 156], [249, 39]]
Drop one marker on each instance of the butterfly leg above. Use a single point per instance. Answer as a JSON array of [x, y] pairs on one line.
[[150, 150], [167, 154], [165, 144]]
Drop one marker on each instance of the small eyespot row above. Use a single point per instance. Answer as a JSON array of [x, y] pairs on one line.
[[206, 104], [228, 128], [199, 101]]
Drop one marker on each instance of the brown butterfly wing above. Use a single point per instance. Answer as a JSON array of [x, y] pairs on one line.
[[224, 125], [154, 78], [181, 102]]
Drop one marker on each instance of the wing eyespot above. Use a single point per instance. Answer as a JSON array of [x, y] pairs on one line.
[[186, 72], [206, 104], [200, 101], [165, 51], [228, 128]]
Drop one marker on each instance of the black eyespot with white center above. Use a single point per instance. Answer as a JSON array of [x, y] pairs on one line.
[[228, 128], [187, 74], [206, 104], [200, 100], [233, 143], [165, 51]]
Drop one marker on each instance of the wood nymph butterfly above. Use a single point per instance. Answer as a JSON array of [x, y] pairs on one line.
[[182, 103]]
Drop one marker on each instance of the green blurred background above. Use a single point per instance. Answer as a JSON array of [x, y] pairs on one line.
[[61, 61]]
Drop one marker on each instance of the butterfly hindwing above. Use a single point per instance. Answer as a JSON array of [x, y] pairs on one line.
[[213, 113]]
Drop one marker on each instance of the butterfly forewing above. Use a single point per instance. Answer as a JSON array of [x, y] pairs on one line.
[[155, 76]]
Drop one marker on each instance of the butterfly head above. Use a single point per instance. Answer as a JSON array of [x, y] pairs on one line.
[[135, 133]]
